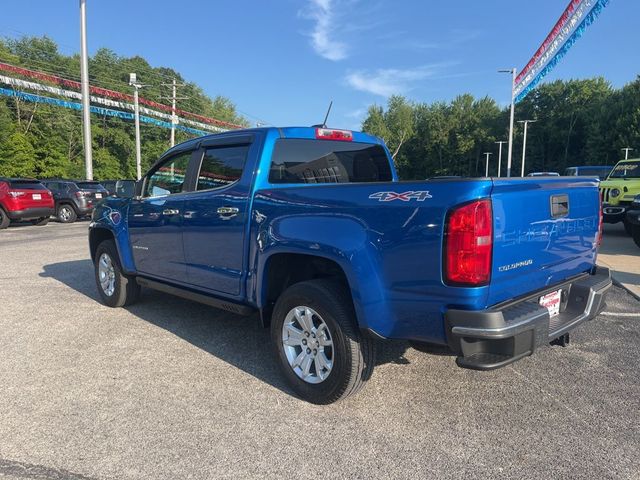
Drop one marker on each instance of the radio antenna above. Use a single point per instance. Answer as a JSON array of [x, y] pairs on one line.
[[324, 124]]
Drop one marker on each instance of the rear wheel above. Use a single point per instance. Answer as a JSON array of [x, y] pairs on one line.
[[635, 233], [4, 219], [116, 288], [66, 214], [40, 222], [319, 346]]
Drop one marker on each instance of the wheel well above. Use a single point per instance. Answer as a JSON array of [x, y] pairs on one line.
[[96, 237], [285, 269]]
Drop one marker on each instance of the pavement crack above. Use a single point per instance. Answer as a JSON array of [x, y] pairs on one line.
[[40, 472]]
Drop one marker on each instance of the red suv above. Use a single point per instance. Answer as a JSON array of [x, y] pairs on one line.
[[24, 199]]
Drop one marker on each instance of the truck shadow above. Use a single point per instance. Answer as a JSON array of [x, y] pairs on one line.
[[237, 340]]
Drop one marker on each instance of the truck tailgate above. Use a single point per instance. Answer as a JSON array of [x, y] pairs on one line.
[[545, 231]]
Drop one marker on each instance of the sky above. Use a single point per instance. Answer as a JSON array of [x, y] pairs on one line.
[[282, 61]]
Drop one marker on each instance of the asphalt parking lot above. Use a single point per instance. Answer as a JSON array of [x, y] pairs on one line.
[[168, 389]]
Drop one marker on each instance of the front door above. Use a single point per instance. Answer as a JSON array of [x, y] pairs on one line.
[[215, 217], [155, 220]]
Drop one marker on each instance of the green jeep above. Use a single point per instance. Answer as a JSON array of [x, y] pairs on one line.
[[619, 190]]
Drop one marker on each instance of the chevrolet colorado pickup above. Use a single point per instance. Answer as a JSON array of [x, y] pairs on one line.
[[311, 228]]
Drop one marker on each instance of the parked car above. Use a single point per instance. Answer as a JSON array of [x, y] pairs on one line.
[[543, 174], [24, 199], [600, 171], [311, 228], [75, 198], [633, 219], [119, 187], [619, 190]]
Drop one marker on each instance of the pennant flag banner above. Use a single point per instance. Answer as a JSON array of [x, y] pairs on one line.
[[29, 97], [5, 67], [24, 84], [578, 15]]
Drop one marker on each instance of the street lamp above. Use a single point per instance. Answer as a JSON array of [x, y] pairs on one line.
[[524, 142], [487, 163], [500, 156], [626, 152], [513, 87], [133, 81], [84, 89]]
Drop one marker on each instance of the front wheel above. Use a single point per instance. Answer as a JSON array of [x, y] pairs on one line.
[[319, 346], [635, 233], [116, 289]]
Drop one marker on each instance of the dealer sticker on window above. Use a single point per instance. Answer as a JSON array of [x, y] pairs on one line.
[[551, 301]]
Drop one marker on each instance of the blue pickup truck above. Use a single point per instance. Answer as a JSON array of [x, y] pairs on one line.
[[311, 228]]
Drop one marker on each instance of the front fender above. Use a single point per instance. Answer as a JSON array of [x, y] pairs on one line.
[[111, 215]]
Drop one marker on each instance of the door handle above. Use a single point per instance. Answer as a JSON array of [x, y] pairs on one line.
[[227, 212], [170, 211]]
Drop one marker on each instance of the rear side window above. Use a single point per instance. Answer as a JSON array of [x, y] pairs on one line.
[[27, 185], [323, 161], [221, 166]]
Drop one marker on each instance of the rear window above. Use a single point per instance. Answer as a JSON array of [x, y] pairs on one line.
[[90, 185], [322, 161], [27, 185]]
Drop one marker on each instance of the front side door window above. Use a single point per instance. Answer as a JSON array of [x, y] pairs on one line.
[[168, 178]]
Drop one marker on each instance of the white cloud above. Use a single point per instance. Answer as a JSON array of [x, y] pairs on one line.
[[322, 41], [390, 81]]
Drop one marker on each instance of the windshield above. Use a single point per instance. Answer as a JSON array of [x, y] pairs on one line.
[[626, 170]]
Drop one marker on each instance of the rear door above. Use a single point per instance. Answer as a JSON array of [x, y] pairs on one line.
[[545, 231], [216, 214], [155, 220]]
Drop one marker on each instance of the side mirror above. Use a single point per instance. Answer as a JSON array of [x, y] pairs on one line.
[[126, 188]]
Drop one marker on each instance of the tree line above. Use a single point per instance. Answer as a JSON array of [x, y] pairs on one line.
[[38, 140], [579, 122]]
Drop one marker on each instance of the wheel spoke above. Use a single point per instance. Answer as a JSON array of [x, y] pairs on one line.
[[306, 365], [323, 336], [293, 336], [304, 319], [298, 360]]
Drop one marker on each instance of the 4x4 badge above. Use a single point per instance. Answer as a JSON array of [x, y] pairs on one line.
[[419, 195]]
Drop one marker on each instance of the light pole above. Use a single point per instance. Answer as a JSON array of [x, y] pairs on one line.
[[84, 78], [500, 156], [524, 142], [136, 109], [626, 152], [486, 174], [513, 86]]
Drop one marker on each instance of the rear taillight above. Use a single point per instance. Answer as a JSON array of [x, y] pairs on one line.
[[469, 244], [16, 193], [331, 134], [600, 222]]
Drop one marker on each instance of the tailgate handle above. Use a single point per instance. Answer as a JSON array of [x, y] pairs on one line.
[[559, 205]]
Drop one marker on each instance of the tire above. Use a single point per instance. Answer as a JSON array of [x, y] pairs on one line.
[[351, 355], [627, 227], [635, 233], [4, 220], [119, 290], [40, 222], [66, 214]]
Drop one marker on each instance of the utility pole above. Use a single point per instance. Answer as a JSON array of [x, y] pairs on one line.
[[500, 156], [524, 142], [133, 81], [84, 77], [626, 152], [513, 87], [487, 163], [173, 98]]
